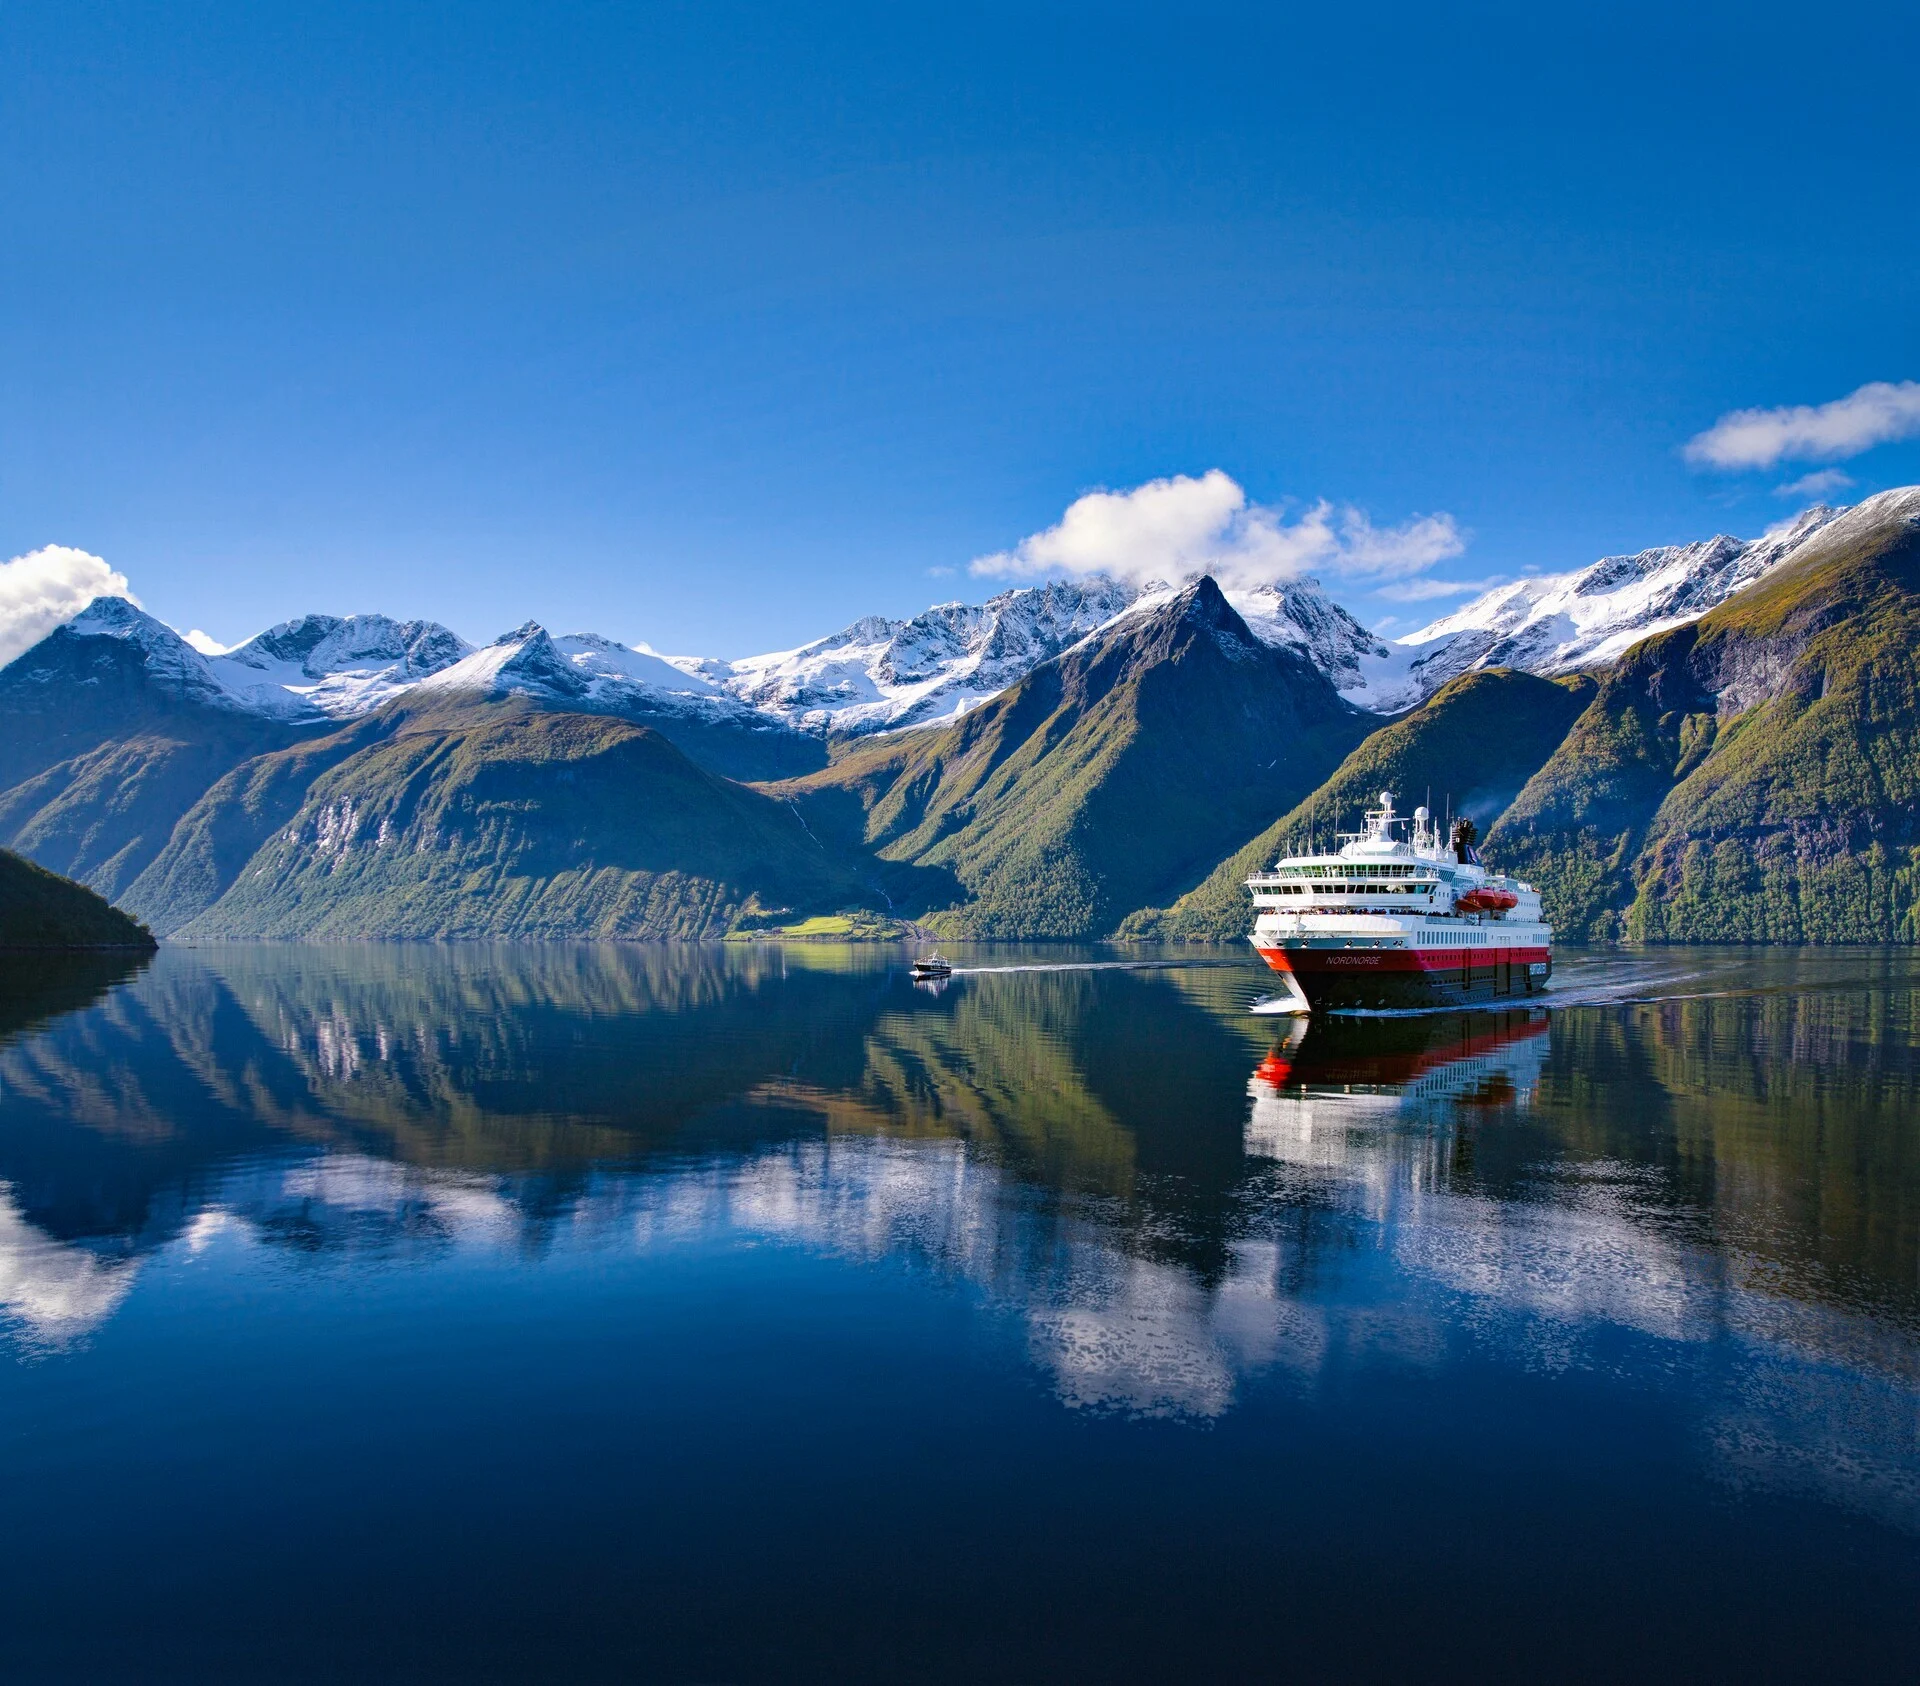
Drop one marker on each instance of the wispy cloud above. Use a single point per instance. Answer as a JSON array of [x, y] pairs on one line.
[[46, 588], [1425, 591], [1186, 525], [1876, 414], [1815, 485]]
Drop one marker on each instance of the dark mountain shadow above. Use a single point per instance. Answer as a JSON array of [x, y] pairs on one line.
[[37, 988]]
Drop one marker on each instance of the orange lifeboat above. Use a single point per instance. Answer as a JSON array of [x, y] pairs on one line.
[[1486, 899]]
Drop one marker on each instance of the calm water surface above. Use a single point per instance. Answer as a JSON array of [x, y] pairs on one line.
[[578, 1313]]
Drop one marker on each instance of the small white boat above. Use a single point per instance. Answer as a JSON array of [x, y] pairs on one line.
[[933, 966]]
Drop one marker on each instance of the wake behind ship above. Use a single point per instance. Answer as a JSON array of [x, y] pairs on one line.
[[1399, 921]]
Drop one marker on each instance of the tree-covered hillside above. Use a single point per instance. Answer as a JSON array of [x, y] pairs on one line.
[[1113, 776], [468, 819], [1471, 745], [1753, 777], [40, 909]]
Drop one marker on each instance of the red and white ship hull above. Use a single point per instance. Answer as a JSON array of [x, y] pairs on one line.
[[1331, 973]]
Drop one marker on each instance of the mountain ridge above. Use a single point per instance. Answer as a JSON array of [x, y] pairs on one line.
[[1745, 770], [879, 675], [1587, 617]]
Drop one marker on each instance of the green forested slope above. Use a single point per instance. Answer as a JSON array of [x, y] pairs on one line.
[[500, 819], [40, 909], [1110, 777], [234, 818], [1472, 745], [1751, 777], [99, 758]]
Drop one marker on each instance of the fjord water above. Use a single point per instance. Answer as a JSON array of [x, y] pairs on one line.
[[709, 1313]]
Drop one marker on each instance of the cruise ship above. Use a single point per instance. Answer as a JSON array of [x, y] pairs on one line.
[[1402, 916]]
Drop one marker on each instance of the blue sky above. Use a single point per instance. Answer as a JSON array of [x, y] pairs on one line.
[[717, 326]]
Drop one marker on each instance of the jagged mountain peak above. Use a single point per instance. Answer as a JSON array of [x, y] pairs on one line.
[[1197, 608], [164, 659], [523, 662], [1175, 624], [326, 644], [335, 666], [1294, 614], [116, 617]]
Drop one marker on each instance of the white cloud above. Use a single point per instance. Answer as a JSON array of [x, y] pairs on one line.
[[45, 589], [1879, 412], [1815, 485], [206, 643], [1183, 526]]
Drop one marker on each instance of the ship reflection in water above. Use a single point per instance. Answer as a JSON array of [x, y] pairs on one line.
[[731, 1276], [1336, 1075]]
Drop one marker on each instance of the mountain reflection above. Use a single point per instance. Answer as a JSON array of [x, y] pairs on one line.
[[1177, 1204]]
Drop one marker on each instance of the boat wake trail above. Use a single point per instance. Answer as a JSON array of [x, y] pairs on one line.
[[1617, 992], [1098, 966]]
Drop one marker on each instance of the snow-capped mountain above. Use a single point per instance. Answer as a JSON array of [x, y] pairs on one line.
[[319, 667], [1553, 623], [335, 666], [876, 675], [173, 665], [1299, 615], [585, 670], [879, 675]]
